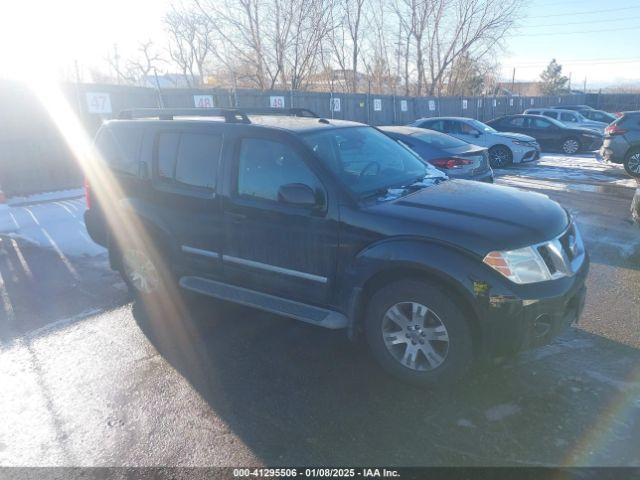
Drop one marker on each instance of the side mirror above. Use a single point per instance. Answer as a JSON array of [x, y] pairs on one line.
[[297, 194]]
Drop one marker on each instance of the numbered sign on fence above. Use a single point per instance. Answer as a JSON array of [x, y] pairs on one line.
[[276, 102], [335, 104], [403, 106], [432, 105], [511, 102], [203, 101], [377, 105], [464, 104], [98, 103], [532, 101]]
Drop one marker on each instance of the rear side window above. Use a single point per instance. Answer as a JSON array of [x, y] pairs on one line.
[[551, 114], [533, 112], [515, 122], [540, 123], [189, 159], [119, 147], [437, 125], [568, 117]]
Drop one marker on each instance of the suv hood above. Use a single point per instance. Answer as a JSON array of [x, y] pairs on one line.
[[476, 216], [515, 136]]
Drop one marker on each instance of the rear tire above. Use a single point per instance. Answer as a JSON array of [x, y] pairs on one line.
[[632, 162], [500, 156], [570, 145], [145, 270], [418, 334]]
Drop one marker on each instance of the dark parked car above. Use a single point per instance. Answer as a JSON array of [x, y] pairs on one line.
[[622, 142], [599, 115], [335, 224], [550, 133], [456, 158]]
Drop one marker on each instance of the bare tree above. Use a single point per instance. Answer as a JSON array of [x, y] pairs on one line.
[[147, 61], [345, 39], [465, 27], [191, 42]]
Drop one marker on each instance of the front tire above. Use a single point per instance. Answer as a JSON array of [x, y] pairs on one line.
[[418, 334], [500, 156], [570, 146], [632, 163]]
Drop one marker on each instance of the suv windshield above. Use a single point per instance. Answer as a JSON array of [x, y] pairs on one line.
[[366, 160]]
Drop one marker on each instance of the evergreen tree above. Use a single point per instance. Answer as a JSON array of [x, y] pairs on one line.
[[553, 82]]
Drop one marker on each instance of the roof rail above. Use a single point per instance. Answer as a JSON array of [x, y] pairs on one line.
[[230, 115], [293, 112]]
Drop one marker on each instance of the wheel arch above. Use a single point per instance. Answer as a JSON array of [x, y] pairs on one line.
[[152, 233], [422, 269]]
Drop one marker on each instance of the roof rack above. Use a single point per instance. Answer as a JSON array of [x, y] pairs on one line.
[[230, 115], [293, 112]]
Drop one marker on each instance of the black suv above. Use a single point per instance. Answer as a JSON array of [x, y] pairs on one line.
[[335, 224]]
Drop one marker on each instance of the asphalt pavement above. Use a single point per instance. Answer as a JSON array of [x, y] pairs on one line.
[[88, 378]]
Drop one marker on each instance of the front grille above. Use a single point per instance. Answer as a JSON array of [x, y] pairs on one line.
[[563, 255], [568, 242]]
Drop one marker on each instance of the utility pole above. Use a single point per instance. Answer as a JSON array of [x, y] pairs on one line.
[[569, 82], [116, 61], [513, 80]]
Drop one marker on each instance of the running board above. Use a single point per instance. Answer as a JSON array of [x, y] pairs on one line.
[[263, 301]]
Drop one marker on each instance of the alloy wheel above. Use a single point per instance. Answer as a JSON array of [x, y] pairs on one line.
[[570, 146], [415, 336], [140, 271], [499, 157], [633, 164]]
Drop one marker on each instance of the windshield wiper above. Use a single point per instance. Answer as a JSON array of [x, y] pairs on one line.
[[374, 193]]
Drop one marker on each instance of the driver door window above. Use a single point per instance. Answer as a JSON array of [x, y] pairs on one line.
[[568, 117], [265, 165]]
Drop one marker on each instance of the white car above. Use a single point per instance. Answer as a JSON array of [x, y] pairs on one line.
[[7, 224], [504, 147], [570, 118]]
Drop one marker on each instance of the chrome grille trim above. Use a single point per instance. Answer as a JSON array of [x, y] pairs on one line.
[[566, 261]]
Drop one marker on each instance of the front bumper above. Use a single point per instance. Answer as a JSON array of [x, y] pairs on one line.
[[526, 154], [534, 315]]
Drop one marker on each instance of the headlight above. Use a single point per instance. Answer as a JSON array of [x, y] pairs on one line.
[[522, 143], [524, 265]]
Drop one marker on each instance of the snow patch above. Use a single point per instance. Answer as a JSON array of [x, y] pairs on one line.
[[57, 225], [46, 197], [578, 168], [463, 422], [502, 411], [619, 384]]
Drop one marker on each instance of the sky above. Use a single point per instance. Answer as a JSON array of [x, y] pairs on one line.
[[592, 39]]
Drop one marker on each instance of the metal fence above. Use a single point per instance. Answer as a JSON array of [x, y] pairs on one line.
[[34, 157]]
